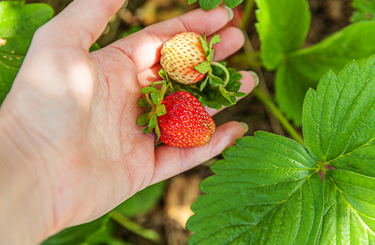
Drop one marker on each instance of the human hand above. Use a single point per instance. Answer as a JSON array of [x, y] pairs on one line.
[[72, 150]]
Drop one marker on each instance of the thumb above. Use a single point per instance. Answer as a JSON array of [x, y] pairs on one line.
[[170, 161]]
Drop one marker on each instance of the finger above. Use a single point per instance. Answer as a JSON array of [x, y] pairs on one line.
[[249, 82], [143, 47], [150, 75], [82, 22], [232, 40], [174, 160]]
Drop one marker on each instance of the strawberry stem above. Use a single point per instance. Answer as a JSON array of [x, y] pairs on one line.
[[225, 71]]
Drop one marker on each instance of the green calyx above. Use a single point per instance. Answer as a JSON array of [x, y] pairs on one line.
[[205, 66], [153, 100], [219, 88], [213, 82]]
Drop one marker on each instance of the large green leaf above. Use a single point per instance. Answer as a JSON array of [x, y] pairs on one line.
[[18, 22], [100, 231], [339, 129], [290, 88], [209, 4], [232, 3], [365, 10], [143, 201], [267, 187], [339, 117], [282, 27], [266, 191], [305, 67], [82, 234], [349, 209]]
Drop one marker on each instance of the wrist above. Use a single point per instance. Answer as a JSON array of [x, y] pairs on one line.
[[25, 211]]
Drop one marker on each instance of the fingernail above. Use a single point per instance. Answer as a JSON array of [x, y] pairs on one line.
[[255, 76], [245, 127], [230, 12]]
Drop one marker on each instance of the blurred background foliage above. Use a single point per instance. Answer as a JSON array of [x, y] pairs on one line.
[[158, 214]]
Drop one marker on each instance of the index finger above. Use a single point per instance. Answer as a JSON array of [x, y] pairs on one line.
[[143, 47]]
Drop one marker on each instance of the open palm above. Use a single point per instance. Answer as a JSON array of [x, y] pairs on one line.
[[73, 114]]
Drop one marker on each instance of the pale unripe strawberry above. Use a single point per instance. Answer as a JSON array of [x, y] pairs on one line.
[[180, 54]]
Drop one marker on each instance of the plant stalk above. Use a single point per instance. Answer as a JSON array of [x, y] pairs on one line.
[[279, 115], [227, 76], [134, 227], [249, 4], [248, 48]]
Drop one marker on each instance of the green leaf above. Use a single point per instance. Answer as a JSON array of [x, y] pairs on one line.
[[232, 3], [204, 83], [94, 47], [157, 131], [202, 101], [152, 122], [212, 95], [214, 40], [210, 53], [147, 130], [18, 22], [216, 79], [212, 82], [143, 201], [290, 88], [205, 47], [191, 1], [161, 110], [365, 10], [282, 28], [349, 208], [240, 94], [144, 119], [203, 67], [143, 103], [155, 97], [148, 90], [211, 56], [225, 95], [95, 232], [162, 92], [162, 74], [338, 118], [266, 191], [305, 67], [209, 4]]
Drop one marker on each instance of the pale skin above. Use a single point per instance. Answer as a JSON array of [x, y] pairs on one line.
[[70, 149]]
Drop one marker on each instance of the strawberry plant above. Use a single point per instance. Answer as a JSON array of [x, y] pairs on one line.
[[267, 189], [299, 69]]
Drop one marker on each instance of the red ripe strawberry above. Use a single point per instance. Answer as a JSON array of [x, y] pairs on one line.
[[186, 123], [180, 54]]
